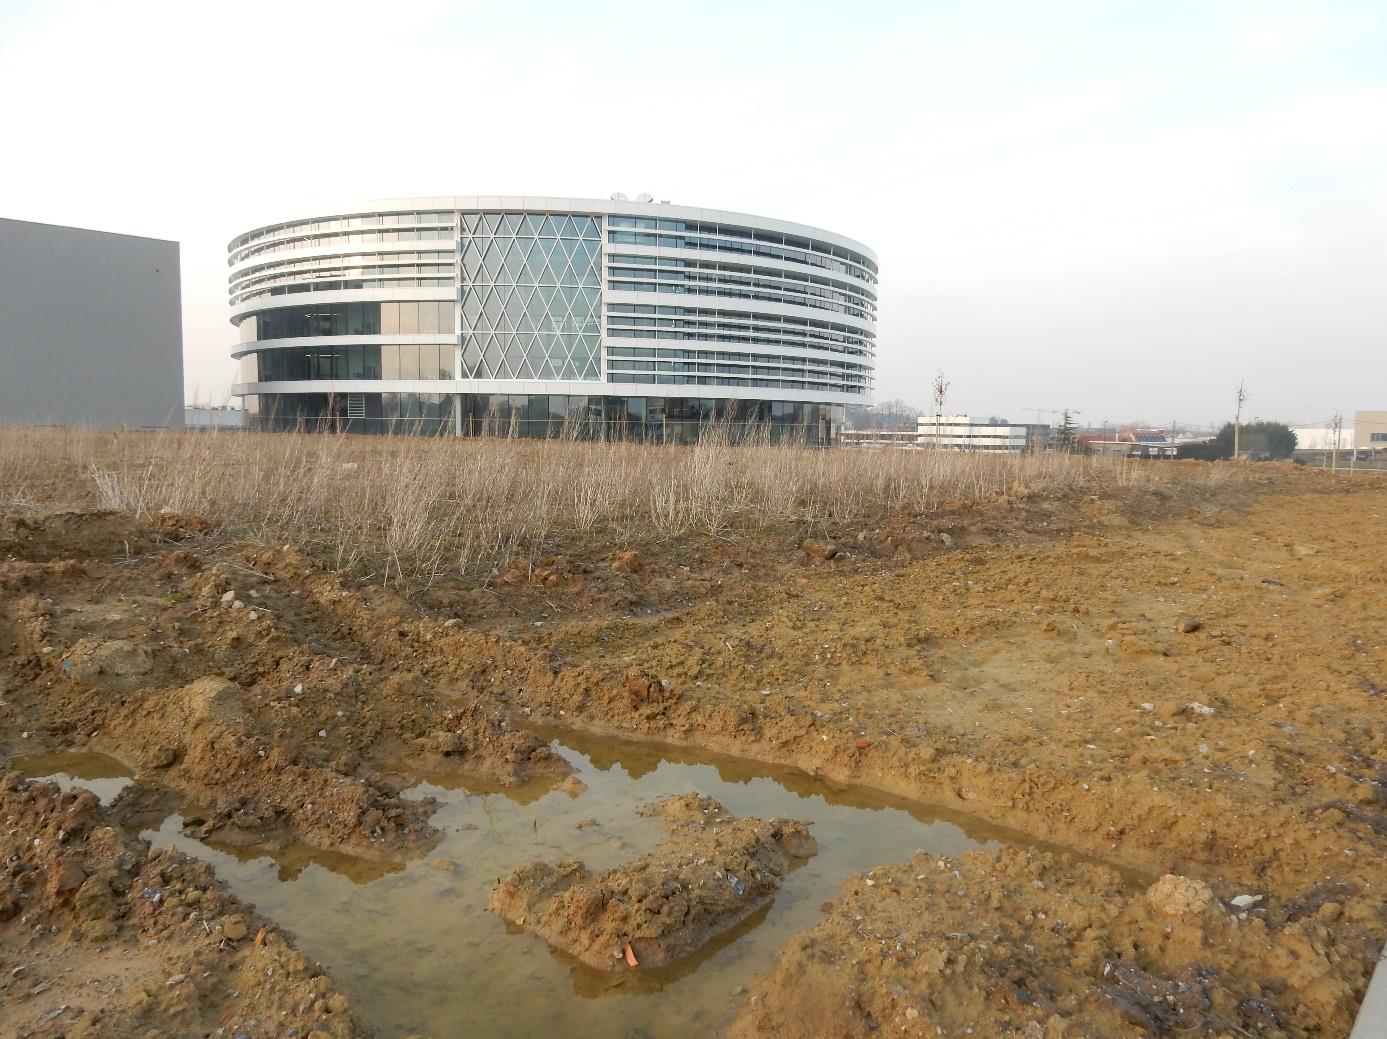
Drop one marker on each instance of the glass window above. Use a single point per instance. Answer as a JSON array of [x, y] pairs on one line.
[[389, 319], [409, 362], [390, 362], [409, 318], [428, 361], [370, 362]]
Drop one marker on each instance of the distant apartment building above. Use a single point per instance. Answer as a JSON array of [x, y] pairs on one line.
[[91, 330], [964, 433]]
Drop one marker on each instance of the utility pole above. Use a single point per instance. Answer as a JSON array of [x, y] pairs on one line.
[[1334, 450], [1238, 420]]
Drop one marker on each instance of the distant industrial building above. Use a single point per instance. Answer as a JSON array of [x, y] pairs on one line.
[[1322, 438], [205, 416], [1130, 442], [880, 438], [963, 433], [1370, 430], [91, 329], [955, 433]]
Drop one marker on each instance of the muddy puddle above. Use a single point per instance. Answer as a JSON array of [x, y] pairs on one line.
[[103, 776], [416, 948]]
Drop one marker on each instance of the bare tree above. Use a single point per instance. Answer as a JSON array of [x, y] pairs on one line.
[[1238, 419], [1338, 425], [940, 393]]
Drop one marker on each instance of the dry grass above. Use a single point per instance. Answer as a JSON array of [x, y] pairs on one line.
[[419, 509]]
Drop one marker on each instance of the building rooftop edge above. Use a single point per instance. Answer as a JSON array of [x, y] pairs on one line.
[[560, 203], [90, 230]]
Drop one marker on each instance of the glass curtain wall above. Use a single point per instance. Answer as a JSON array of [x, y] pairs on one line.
[[530, 292]]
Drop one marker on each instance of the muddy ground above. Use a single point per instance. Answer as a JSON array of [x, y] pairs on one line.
[[1182, 679], [712, 871]]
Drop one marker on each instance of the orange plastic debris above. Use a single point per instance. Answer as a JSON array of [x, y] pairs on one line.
[[631, 956]]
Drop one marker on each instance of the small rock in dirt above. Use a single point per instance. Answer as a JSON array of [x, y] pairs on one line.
[[91, 661], [1196, 707], [820, 550], [234, 927], [1179, 896], [67, 878], [1186, 624], [161, 756], [572, 786], [1244, 901], [229, 596], [628, 562]]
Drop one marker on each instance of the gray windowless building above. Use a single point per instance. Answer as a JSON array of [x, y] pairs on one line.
[[91, 328]]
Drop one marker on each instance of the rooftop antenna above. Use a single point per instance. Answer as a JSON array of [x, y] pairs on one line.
[[645, 197], [619, 196]]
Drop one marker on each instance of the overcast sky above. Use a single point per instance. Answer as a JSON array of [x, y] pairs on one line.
[[1116, 207]]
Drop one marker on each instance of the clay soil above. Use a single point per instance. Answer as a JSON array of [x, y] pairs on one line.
[[1183, 679], [712, 871]]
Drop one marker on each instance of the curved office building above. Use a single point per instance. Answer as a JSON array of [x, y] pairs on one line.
[[551, 316]]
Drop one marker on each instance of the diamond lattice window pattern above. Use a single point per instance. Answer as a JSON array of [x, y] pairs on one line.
[[530, 288]]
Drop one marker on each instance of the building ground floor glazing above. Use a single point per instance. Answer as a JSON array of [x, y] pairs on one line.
[[679, 420]]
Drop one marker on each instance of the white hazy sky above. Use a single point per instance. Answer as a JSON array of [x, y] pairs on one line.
[[1120, 207]]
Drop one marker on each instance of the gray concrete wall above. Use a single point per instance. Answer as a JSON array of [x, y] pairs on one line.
[[91, 328]]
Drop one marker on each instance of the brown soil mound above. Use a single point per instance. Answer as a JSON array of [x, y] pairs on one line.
[[104, 937], [271, 697], [710, 873], [1019, 943], [199, 740], [70, 534]]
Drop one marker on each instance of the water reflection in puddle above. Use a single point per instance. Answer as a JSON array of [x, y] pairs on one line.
[[416, 948], [103, 776]]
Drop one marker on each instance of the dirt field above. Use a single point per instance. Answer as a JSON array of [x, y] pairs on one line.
[[1178, 676]]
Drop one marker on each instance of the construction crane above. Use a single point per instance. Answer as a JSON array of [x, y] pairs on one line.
[[1052, 411]]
